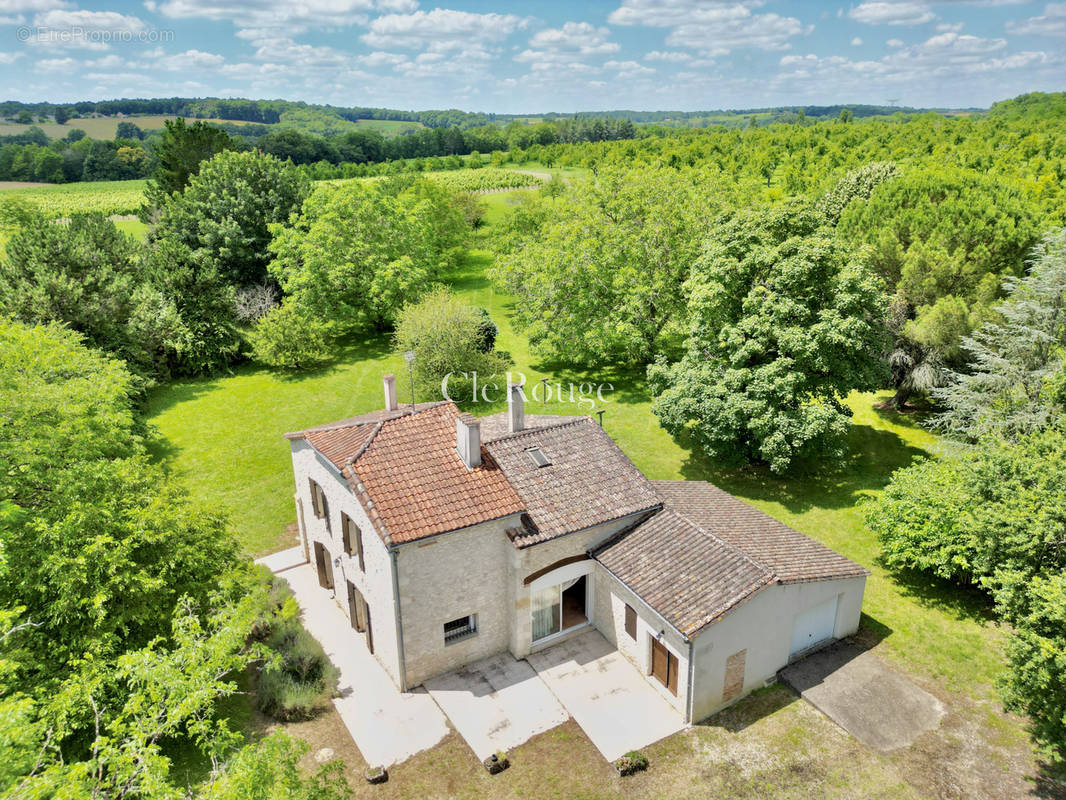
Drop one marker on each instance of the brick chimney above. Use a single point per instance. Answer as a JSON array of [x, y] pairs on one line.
[[516, 408], [390, 392], [468, 439]]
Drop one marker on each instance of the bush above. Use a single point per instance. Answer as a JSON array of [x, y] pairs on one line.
[[448, 337], [285, 337], [631, 762], [299, 680]]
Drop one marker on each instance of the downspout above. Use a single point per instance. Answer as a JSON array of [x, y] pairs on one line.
[[690, 705], [399, 620]]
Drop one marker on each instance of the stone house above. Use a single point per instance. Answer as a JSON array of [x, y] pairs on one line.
[[447, 539]]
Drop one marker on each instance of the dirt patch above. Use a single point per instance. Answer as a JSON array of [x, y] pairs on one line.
[[22, 185]]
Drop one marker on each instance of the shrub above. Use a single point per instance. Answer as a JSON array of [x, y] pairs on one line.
[[299, 680], [254, 302], [631, 762], [287, 338]]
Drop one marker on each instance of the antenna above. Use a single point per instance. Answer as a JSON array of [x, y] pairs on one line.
[[600, 415], [409, 357]]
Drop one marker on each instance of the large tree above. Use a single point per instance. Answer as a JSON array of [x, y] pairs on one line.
[[356, 253], [785, 322], [179, 153], [943, 239], [1012, 383], [600, 276], [225, 212]]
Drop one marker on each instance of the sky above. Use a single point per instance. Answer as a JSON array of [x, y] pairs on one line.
[[515, 57]]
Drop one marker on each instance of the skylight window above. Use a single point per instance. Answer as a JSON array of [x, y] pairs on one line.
[[537, 457]]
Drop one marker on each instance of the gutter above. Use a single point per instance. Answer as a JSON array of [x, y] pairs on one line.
[[399, 620], [691, 702]]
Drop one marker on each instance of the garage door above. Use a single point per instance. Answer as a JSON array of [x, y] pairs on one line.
[[813, 626]]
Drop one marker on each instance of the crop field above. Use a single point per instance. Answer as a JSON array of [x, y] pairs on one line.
[[95, 127], [389, 127], [60, 200]]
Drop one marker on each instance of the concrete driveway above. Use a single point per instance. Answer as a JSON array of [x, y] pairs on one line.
[[497, 703], [387, 725], [613, 703], [871, 701]]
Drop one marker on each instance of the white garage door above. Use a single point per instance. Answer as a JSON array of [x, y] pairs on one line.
[[813, 626]]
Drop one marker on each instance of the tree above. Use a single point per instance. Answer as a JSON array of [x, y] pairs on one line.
[[600, 277], [943, 240], [179, 152], [83, 273], [995, 517], [129, 130], [62, 115], [356, 253], [858, 184], [285, 337], [784, 324], [448, 337], [225, 213], [1008, 387], [97, 546]]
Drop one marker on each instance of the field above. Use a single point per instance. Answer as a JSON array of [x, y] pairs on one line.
[[96, 127], [389, 127], [60, 200], [223, 437]]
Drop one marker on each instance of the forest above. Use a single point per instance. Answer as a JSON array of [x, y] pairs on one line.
[[753, 279]]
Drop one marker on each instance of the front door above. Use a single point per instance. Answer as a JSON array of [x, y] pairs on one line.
[[325, 568], [359, 613], [664, 665]]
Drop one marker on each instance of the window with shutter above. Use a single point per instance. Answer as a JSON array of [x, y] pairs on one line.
[[631, 622], [353, 540]]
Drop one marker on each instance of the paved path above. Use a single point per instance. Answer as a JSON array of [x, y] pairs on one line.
[[872, 702], [613, 703], [388, 726], [496, 704]]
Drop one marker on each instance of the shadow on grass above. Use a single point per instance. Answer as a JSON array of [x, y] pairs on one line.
[[872, 456], [759, 704], [956, 600]]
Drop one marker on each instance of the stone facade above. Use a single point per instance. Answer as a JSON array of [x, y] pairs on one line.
[[375, 582], [611, 599]]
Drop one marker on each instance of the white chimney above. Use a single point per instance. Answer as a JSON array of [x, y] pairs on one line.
[[390, 392], [468, 439], [516, 408]]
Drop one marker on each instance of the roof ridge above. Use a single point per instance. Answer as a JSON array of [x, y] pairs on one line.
[[401, 412], [350, 461], [528, 431], [732, 547]]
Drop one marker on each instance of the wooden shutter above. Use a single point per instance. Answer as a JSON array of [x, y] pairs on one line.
[[325, 571], [353, 540], [631, 622], [316, 497], [346, 533], [369, 631], [658, 661], [671, 672]]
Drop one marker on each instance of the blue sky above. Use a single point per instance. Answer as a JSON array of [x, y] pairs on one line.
[[549, 56]]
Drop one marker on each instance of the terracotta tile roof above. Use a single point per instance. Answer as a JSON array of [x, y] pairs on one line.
[[341, 444], [688, 575], [379, 415], [418, 485], [792, 556], [494, 426], [589, 480]]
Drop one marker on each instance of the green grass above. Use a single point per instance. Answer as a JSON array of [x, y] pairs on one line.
[[97, 127], [223, 436], [62, 199], [389, 127]]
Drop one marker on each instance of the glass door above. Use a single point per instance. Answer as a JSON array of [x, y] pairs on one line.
[[560, 607]]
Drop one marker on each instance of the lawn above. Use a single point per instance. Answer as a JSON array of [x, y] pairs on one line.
[[223, 436]]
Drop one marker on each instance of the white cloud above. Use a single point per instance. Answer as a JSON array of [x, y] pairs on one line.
[[1051, 23], [190, 59], [9, 58], [659, 55], [20, 7], [712, 27], [380, 58], [944, 27], [292, 15], [441, 29], [579, 38], [881, 12], [55, 65], [895, 43], [627, 70], [856, 42], [89, 20]]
